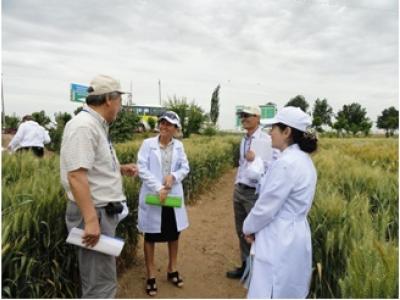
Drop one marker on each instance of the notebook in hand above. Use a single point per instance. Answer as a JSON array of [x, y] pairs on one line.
[[171, 201]]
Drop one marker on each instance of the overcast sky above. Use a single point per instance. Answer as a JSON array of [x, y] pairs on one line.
[[258, 51]]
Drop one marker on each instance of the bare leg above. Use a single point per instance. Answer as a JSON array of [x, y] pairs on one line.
[[173, 255], [149, 258]]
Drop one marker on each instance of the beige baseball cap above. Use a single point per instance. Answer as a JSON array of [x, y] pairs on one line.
[[103, 84], [251, 110]]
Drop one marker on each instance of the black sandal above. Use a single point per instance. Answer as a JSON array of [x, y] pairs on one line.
[[174, 278], [151, 288]]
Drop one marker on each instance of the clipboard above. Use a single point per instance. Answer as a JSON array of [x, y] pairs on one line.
[[171, 201]]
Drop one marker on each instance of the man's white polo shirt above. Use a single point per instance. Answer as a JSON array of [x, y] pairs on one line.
[[85, 144]]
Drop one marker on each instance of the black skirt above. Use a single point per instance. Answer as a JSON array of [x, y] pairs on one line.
[[169, 230]]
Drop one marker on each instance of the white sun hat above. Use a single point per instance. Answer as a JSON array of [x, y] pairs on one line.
[[293, 117]]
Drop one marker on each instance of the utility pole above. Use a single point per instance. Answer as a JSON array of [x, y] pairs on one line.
[[159, 90], [3, 114], [130, 97]]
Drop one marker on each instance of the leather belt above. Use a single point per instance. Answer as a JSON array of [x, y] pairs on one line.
[[245, 186]]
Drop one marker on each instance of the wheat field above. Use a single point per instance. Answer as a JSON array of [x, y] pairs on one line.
[[354, 218]]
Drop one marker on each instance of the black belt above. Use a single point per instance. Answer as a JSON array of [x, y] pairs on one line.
[[30, 147], [245, 186]]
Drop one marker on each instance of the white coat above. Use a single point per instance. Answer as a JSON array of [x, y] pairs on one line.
[[29, 134], [249, 173], [283, 254], [149, 164]]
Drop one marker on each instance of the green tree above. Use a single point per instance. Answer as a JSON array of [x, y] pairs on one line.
[[389, 121], [41, 118], [180, 106], [62, 118], [123, 128], [214, 111], [322, 114], [298, 101], [191, 115], [78, 110], [57, 132], [11, 122], [152, 123], [365, 126], [341, 124], [209, 130], [196, 118], [207, 117], [353, 119]]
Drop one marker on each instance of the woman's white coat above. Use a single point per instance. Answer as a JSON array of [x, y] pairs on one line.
[[150, 172], [282, 233]]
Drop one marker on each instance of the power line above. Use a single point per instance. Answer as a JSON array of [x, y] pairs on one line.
[[159, 90]]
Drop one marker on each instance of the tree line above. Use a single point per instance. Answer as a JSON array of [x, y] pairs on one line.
[[351, 119], [193, 120]]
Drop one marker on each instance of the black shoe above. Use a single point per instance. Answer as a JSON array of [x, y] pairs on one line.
[[237, 273]]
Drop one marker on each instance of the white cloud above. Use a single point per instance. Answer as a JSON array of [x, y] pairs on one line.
[[258, 51]]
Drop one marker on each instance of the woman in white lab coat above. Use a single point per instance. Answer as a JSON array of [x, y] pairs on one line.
[[277, 225], [162, 166]]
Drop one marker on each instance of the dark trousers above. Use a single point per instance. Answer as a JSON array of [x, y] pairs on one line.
[[243, 201], [38, 151]]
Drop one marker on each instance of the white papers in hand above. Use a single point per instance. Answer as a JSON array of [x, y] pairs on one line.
[[106, 244]]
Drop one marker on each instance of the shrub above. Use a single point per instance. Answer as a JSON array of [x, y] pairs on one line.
[[210, 130]]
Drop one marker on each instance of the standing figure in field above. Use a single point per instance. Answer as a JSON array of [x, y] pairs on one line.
[[255, 154], [30, 136], [91, 176], [277, 225], [162, 166]]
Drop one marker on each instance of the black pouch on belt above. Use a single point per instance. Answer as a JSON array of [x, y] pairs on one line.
[[114, 208]]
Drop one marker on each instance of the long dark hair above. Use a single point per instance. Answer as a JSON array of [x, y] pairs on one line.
[[307, 142]]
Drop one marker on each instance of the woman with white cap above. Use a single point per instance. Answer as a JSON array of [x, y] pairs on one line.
[[162, 166], [277, 225]]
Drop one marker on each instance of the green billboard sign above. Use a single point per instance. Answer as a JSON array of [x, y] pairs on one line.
[[78, 92]]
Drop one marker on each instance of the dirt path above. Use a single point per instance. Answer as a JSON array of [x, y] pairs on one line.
[[208, 248]]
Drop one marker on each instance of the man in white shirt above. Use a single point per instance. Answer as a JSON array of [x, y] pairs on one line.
[[255, 154], [91, 176], [30, 136]]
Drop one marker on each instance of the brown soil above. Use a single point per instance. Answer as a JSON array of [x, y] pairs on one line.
[[208, 248], [6, 139]]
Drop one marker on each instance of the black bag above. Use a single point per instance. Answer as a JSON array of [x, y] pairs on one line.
[[114, 208]]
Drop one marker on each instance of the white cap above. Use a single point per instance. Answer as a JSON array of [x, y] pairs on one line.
[[252, 110], [172, 117], [293, 117], [103, 84]]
